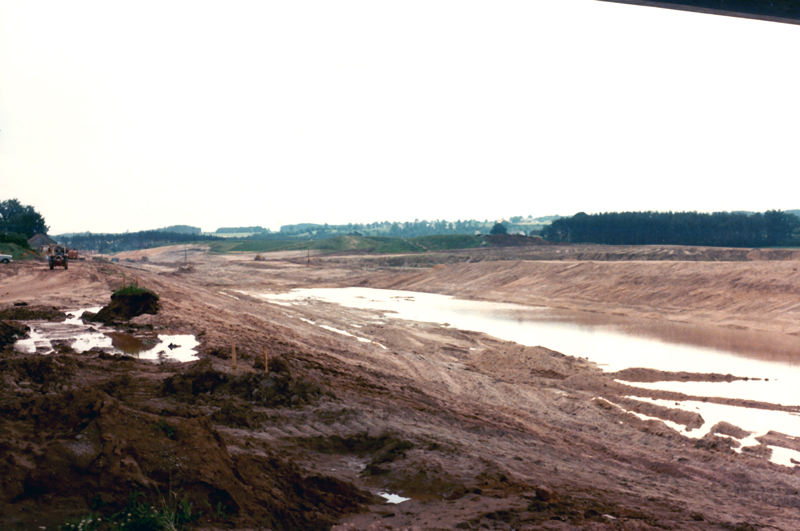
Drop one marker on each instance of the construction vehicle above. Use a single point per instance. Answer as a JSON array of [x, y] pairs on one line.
[[56, 256]]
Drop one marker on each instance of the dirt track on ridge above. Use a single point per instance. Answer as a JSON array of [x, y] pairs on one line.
[[479, 433]]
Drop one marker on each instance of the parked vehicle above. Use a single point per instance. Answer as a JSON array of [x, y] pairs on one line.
[[5, 258]]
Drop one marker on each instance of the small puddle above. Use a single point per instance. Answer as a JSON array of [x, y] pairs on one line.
[[45, 336], [392, 498]]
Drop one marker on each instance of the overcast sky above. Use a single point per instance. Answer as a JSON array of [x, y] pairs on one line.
[[120, 116]]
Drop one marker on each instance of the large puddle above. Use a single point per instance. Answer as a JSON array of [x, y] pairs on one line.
[[45, 335], [771, 362]]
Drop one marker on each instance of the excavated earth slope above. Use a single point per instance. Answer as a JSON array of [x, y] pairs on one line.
[[479, 433]]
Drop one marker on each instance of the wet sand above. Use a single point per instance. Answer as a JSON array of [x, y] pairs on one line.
[[477, 432]]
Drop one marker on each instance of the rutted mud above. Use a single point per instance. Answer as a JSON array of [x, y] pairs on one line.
[[478, 433]]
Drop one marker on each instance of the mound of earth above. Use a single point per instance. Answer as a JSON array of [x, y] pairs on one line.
[[26, 313], [10, 333], [125, 306], [75, 445]]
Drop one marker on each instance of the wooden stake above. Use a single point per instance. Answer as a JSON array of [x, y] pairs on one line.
[[233, 354], [266, 359]]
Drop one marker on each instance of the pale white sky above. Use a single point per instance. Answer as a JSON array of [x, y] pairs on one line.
[[122, 116]]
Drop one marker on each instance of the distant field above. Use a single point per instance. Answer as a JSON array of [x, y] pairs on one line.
[[447, 242], [258, 246], [374, 244]]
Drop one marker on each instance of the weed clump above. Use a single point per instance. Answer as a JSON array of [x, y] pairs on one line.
[[165, 515], [126, 303]]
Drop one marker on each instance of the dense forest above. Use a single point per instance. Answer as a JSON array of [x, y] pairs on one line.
[[114, 243], [720, 229]]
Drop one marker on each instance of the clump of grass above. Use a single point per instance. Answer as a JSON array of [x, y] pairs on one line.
[[168, 429], [171, 515], [133, 289]]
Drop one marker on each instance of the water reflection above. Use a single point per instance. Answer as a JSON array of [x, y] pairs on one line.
[[127, 343], [771, 361], [756, 421], [82, 337], [615, 343]]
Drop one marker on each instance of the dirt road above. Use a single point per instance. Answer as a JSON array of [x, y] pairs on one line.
[[477, 432]]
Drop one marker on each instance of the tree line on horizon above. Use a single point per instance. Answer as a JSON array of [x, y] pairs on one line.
[[130, 241], [409, 229], [719, 229]]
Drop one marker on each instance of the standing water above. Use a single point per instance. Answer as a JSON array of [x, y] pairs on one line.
[[82, 337], [769, 362]]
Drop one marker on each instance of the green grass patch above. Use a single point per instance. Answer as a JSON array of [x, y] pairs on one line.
[[166, 514], [132, 290], [447, 242], [16, 252], [375, 244], [260, 246], [387, 245], [343, 243]]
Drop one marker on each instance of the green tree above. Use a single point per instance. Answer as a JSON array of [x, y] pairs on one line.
[[498, 228], [21, 219]]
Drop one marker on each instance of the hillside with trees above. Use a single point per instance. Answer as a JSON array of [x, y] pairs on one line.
[[183, 229], [129, 241], [241, 230], [719, 229]]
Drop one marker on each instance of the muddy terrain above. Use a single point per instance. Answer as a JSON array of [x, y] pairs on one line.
[[285, 423]]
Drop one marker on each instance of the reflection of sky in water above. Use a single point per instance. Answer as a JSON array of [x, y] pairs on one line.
[[184, 351], [610, 345], [783, 391], [83, 337], [756, 421], [392, 498], [617, 344]]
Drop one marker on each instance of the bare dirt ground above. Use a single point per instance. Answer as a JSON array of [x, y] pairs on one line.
[[477, 432]]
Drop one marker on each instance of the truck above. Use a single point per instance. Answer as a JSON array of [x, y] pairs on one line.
[[57, 256], [5, 258]]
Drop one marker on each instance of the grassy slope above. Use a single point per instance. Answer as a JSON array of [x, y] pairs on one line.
[[375, 244], [16, 252]]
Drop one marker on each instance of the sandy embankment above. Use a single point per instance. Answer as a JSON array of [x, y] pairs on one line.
[[479, 433]]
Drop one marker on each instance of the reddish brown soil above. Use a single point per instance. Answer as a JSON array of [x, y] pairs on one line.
[[480, 433]]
